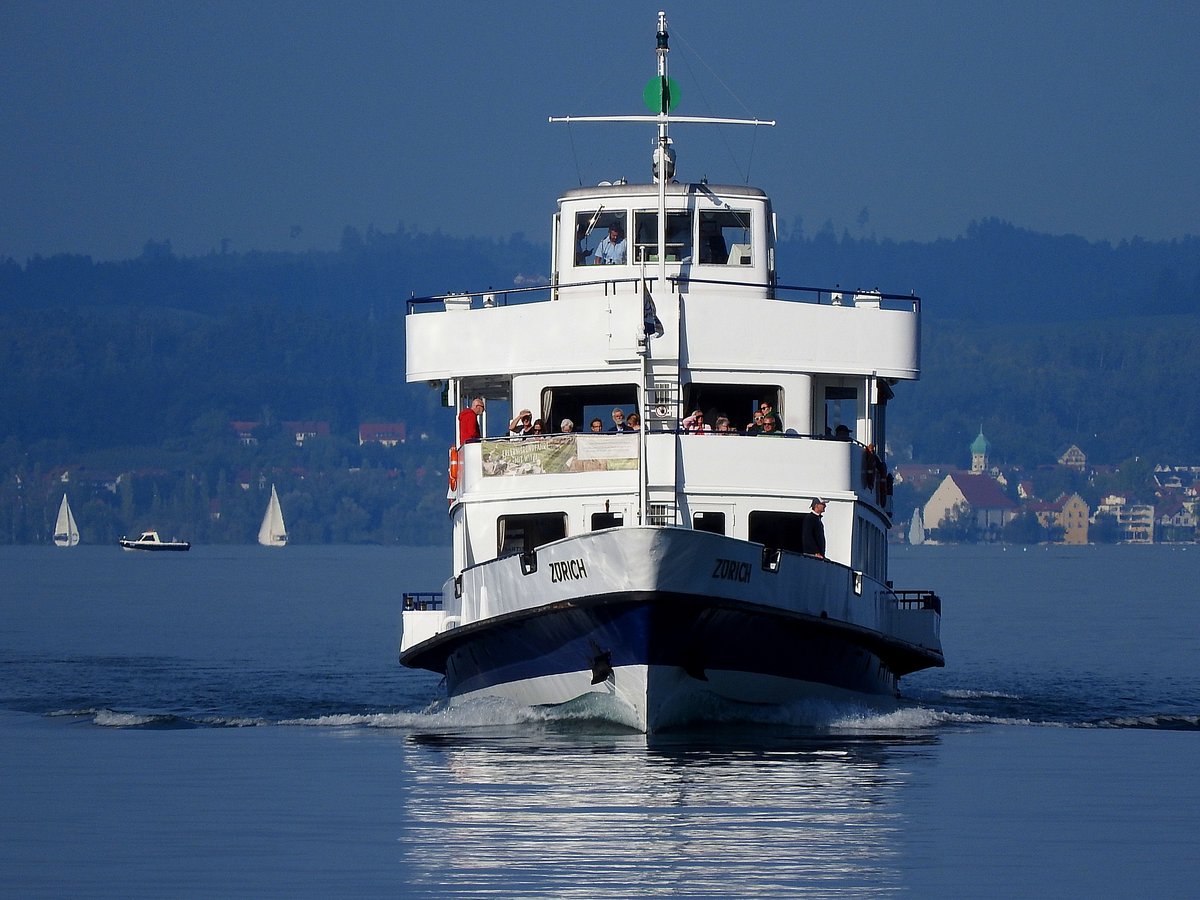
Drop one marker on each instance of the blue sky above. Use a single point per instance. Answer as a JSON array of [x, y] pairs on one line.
[[273, 125]]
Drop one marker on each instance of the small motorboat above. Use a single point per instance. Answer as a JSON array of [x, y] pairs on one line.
[[149, 540]]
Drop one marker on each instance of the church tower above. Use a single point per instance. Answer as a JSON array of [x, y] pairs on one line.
[[980, 448]]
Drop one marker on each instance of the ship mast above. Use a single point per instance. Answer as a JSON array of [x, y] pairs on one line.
[[660, 95], [664, 156]]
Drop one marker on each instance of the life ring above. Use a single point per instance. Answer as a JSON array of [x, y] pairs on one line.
[[454, 468]]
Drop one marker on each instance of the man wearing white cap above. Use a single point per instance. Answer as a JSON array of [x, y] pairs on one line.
[[812, 533]]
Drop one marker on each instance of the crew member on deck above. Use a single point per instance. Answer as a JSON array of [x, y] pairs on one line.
[[812, 533]]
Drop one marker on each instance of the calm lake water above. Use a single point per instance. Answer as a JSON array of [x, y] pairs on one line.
[[232, 722]]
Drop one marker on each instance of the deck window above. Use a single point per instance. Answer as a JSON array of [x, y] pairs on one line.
[[710, 521], [602, 520], [841, 408], [583, 402], [781, 530], [724, 237], [520, 534], [736, 402]]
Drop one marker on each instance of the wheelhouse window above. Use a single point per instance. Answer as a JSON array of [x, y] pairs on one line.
[[724, 237], [523, 533], [601, 237], [679, 236]]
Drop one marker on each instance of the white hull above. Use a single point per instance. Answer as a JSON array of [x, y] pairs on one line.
[[657, 628], [149, 541], [652, 699]]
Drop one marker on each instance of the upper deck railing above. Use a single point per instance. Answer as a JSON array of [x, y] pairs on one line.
[[793, 293]]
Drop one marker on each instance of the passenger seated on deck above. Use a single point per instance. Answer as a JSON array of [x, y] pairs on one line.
[[634, 422], [611, 250], [768, 410], [566, 426], [618, 426], [694, 424], [770, 427], [597, 425]]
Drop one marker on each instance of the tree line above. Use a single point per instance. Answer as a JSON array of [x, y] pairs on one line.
[[133, 370]]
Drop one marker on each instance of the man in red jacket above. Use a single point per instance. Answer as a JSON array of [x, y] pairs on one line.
[[468, 422]]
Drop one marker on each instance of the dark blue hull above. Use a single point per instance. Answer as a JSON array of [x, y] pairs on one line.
[[698, 635]]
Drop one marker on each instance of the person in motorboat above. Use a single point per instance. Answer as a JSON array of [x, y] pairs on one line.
[[611, 250]]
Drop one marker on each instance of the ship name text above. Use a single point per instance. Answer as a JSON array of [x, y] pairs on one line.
[[567, 570], [732, 570]]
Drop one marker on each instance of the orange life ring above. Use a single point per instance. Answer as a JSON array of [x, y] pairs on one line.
[[454, 468]]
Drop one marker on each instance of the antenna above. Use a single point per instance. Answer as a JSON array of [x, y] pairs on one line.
[[661, 95]]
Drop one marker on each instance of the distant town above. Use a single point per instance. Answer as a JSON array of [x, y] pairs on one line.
[[1068, 501]]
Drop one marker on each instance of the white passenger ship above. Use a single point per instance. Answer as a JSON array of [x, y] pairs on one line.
[[656, 578]]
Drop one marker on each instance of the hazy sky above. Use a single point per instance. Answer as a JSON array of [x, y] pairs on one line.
[[273, 125]]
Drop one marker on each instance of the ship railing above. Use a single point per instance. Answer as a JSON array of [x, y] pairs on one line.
[[422, 600], [822, 296], [792, 293], [537, 293], [919, 600]]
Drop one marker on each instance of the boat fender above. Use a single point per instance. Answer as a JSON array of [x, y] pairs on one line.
[[454, 468]]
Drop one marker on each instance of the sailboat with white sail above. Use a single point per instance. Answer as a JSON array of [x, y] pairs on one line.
[[916, 528], [272, 533], [66, 532]]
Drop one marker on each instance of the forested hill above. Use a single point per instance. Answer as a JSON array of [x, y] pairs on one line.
[[141, 363], [995, 273]]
